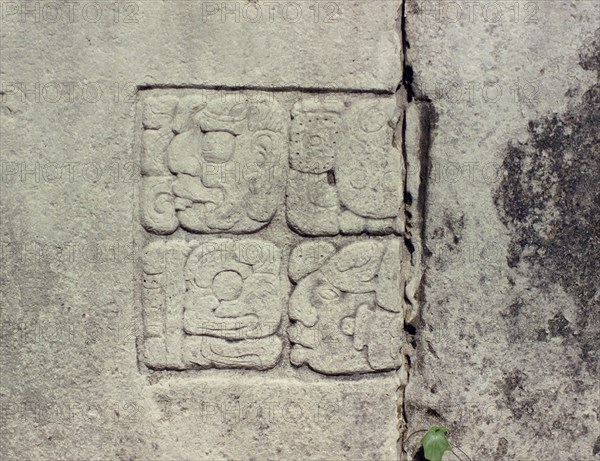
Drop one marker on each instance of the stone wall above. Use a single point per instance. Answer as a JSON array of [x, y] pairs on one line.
[[249, 230]]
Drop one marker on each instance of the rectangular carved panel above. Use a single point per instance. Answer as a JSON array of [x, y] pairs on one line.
[[302, 198], [346, 307], [212, 164], [346, 174], [211, 304]]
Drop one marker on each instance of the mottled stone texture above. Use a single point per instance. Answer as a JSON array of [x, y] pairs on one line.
[[249, 230], [506, 349]]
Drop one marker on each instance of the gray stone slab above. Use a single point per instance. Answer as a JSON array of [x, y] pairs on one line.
[[506, 348], [298, 230], [131, 146], [179, 42]]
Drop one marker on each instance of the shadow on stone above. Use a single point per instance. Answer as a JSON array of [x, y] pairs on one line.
[[419, 456]]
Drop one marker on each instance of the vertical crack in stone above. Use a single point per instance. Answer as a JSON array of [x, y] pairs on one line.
[[416, 131], [403, 97]]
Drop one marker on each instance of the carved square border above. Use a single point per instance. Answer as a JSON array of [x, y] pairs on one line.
[[288, 167]]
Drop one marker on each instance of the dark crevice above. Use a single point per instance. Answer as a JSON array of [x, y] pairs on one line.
[[434, 413], [419, 455], [408, 96], [410, 329], [409, 245], [331, 178], [427, 120], [407, 70], [407, 80], [407, 194]]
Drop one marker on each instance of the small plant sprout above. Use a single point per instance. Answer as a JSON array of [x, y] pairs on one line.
[[435, 443]]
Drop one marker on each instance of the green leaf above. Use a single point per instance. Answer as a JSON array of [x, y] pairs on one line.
[[435, 443]]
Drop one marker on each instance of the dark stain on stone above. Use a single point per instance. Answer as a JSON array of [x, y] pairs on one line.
[[559, 326], [515, 308], [502, 448], [549, 199], [596, 446], [513, 381], [589, 56], [511, 317], [578, 386], [434, 413], [445, 240], [542, 335], [429, 121], [455, 227]]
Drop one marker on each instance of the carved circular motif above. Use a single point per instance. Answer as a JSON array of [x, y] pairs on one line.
[[227, 285], [372, 119], [314, 140]]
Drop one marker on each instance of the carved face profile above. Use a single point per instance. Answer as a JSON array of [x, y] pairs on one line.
[[225, 179], [342, 321]]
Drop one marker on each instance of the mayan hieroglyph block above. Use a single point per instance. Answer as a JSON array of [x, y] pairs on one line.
[[265, 175], [211, 304], [347, 308], [219, 164], [211, 164], [346, 171]]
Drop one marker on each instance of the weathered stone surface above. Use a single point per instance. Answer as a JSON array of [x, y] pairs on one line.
[[506, 347], [219, 303], [307, 257], [273, 419], [120, 338], [340, 325], [183, 43], [136, 136], [347, 173], [208, 352], [210, 303], [228, 159]]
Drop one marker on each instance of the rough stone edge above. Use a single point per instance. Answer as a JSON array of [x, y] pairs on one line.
[[418, 122]]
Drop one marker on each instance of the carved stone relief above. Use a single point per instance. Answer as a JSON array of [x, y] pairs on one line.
[[285, 171], [346, 174], [346, 309], [212, 165], [212, 304]]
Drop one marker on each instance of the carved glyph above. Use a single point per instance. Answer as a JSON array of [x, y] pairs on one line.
[[292, 173], [211, 304], [212, 165], [346, 307], [346, 174]]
